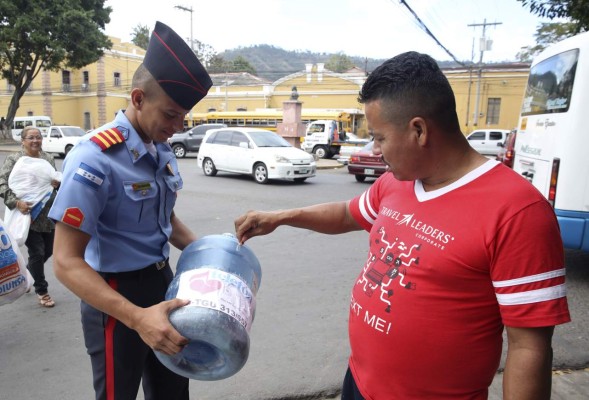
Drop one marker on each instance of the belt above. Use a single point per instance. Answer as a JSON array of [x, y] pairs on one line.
[[157, 266]]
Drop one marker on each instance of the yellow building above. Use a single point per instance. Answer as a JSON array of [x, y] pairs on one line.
[[88, 97], [91, 96]]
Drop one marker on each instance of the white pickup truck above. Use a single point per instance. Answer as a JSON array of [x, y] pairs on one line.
[[61, 139], [323, 139]]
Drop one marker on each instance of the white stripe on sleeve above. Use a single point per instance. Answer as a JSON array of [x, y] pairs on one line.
[[532, 296], [529, 279], [366, 209]]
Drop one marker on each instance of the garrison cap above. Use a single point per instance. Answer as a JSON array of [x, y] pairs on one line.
[[175, 67]]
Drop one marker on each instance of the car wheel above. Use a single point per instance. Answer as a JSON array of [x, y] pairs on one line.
[[261, 173], [300, 180], [208, 167], [360, 178], [320, 151], [67, 149], [179, 150]]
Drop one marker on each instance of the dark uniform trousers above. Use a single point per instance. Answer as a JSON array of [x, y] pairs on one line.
[[120, 359]]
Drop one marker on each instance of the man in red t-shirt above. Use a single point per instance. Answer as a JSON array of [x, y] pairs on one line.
[[452, 260]]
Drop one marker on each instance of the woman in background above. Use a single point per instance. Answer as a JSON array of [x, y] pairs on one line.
[[41, 232]]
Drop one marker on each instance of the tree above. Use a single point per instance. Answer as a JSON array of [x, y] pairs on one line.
[[203, 51], [48, 35], [240, 64], [339, 63], [546, 33], [576, 10], [141, 36], [217, 65]]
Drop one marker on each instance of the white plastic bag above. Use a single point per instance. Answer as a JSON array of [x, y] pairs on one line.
[[17, 224], [15, 279], [30, 180]]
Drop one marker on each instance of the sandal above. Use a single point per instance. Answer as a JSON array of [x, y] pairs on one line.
[[46, 300]]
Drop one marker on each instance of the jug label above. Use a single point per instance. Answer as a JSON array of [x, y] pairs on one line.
[[218, 290]]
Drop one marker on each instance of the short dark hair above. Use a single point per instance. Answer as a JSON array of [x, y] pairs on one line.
[[411, 85], [142, 79]]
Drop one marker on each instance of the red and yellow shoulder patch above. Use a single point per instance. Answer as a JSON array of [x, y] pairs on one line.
[[73, 216], [107, 138]]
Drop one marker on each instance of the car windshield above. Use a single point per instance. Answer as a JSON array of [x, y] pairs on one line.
[[73, 132], [268, 139]]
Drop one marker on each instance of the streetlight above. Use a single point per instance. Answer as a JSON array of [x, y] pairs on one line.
[[191, 46], [190, 11]]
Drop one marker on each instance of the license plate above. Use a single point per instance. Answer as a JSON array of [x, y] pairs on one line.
[[368, 171], [303, 171]]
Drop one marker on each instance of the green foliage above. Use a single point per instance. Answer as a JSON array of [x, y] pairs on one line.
[[218, 65], [50, 35], [240, 64], [141, 36], [575, 10], [546, 34], [339, 63]]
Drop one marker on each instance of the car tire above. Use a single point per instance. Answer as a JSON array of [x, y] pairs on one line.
[[67, 149], [321, 152], [261, 173], [179, 150], [208, 167], [360, 178]]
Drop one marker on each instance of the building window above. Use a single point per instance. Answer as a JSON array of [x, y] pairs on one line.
[[85, 81], [493, 110], [117, 78], [65, 81]]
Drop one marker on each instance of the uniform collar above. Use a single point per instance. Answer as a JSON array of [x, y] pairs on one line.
[[133, 141]]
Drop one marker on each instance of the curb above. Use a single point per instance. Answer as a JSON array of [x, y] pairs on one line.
[[328, 164]]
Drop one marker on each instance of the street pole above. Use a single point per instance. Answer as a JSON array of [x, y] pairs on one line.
[[191, 45], [483, 47]]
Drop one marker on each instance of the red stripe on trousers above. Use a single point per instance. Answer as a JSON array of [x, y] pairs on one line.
[[110, 351]]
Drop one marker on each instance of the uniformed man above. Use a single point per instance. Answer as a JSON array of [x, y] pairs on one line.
[[115, 220]]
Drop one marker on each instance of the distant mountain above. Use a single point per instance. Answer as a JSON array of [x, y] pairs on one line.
[[273, 63]]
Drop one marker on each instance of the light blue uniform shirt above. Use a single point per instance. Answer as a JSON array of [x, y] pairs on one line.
[[121, 197]]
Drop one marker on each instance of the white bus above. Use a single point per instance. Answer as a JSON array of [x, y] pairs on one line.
[[42, 122], [552, 145]]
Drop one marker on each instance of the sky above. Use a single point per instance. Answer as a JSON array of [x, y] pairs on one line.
[[366, 28]]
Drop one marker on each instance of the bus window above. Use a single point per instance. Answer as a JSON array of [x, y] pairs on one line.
[[550, 84]]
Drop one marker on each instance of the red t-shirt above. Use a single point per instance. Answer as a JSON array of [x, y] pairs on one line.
[[446, 269]]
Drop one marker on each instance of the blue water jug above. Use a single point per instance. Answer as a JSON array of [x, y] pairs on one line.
[[220, 277]]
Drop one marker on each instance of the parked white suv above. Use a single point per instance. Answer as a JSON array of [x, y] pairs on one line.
[[61, 139], [487, 141]]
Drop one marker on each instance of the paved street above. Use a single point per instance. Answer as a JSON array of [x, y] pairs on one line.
[[298, 340]]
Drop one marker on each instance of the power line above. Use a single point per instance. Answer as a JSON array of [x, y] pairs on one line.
[[426, 30]]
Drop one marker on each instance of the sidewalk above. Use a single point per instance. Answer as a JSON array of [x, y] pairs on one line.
[[323, 163]]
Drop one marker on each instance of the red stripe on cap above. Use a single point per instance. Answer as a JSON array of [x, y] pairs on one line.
[[200, 88], [109, 350]]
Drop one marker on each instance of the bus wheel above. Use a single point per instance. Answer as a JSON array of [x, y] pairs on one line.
[[320, 151]]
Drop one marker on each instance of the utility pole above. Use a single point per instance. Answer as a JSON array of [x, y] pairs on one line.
[[191, 45], [484, 45], [190, 11]]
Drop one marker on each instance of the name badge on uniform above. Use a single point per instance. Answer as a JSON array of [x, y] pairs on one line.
[[140, 186]]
